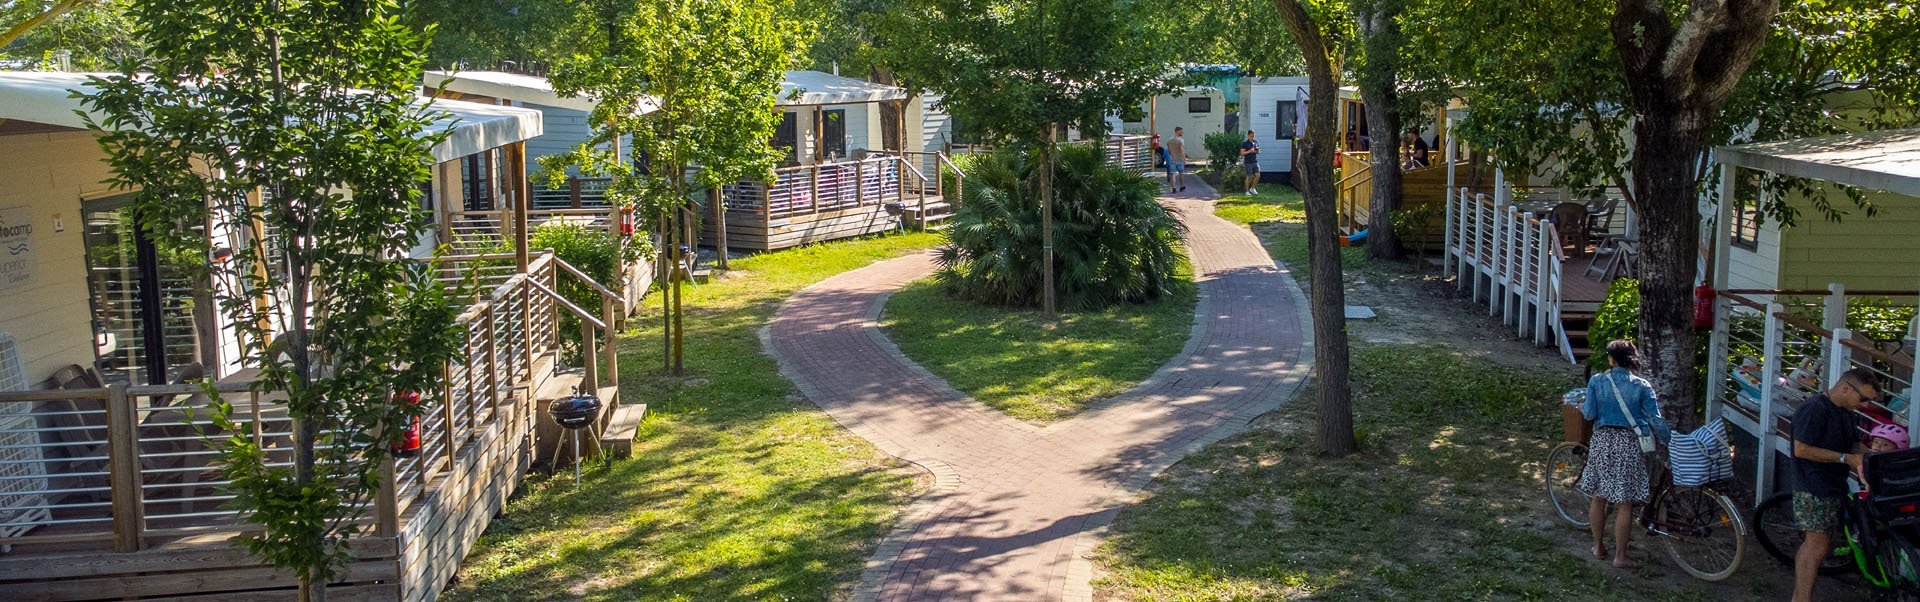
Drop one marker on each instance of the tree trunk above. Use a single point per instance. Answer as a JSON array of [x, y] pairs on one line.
[[891, 130], [1678, 75], [1379, 82], [1329, 295], [1666, 151], [1046, 226]]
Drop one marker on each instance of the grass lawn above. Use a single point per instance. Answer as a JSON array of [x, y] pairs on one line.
[[738, 488], [1441, 504], [1012, 360], [1279, 216]]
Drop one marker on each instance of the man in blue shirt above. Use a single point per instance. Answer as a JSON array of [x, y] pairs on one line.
[[1826, 445], [1250, 161]]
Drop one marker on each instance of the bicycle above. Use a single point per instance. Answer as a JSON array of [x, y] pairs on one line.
[[1700, 529], [1876, 536]]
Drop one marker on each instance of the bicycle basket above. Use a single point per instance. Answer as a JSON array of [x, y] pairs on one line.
[[1894, 478]]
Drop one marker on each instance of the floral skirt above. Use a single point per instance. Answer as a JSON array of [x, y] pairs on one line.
[[1616, 471]]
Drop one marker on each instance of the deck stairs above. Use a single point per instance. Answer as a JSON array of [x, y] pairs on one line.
[[936, 211], [615, 433], [1576, 320]]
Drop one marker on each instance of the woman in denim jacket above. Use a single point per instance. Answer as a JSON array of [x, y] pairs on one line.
[[1616, 470]]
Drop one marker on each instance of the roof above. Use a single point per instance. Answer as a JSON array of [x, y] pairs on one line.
[[1886, 160], [531, 89], [46, 97], [806, 88]]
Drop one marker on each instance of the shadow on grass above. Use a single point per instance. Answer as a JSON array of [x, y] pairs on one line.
[[1443, 503], [737, 489]]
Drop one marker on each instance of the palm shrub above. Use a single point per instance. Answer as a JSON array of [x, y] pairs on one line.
[[1113, 242]]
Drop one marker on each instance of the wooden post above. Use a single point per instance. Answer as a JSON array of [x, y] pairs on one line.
[[526, 321], [1717, 345], [573, 190], [589, 356], [813, 204], [859, 183], [446, 410], [516, 155], [386, 505], [719, 226], [493, 361], [608, 311], [1447, 245], [123, 469]]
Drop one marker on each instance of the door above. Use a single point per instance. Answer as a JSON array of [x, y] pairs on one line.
[[834, 133], [146, 330]]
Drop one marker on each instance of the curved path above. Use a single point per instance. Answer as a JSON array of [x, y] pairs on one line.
[[1015, 509]]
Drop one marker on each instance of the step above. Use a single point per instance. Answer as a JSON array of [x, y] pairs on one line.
[[936, 207], [622, 428], [1579, 335]]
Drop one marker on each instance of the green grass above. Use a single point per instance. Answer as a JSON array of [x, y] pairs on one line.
[[1279, 216], [737, 489], [1012, 360], [1441, 504]]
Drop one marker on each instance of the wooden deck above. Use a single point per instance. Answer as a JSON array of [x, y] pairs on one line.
[[123, 506]]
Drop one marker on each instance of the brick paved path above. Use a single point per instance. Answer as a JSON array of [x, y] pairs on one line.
[[1016, 509]]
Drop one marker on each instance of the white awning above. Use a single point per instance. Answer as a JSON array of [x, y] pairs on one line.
[[46, 97], [1886, 160], [516, 87], [807, 88]]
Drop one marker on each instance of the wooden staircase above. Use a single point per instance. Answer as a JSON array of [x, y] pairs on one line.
[[599, 350], [935, 212], [1576, 320]]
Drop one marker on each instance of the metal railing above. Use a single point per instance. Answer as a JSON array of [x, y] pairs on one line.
[[124, 466]]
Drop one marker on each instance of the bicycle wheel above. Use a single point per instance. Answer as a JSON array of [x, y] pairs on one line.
[[1564, 465], [1702, 530], [1900, 564], [1780, 535]]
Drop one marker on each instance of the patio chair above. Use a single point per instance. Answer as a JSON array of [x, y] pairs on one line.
[[1600, 214], [1570, 220]]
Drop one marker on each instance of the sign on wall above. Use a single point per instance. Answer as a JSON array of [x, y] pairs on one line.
[[17, 264]]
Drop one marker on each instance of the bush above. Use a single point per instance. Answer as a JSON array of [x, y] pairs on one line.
[[598, 255], [1113, 242], [1412, 226], [1223, 151], [1617, 319]]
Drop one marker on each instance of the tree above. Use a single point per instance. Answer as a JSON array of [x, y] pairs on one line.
[[298, 123], [1025, 71], [1378, 76], [709, 71], [482, 34], [96, 32], [1329, 295], [1554, 85]]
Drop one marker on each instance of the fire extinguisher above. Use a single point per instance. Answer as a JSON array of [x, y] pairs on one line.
[[626, 221], [409, 444], [1703, 297]]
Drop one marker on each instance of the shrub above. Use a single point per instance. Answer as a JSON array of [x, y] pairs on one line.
[[1223, 150], [1618, 318], [598, 255], [1412, 225], [1113, 242]]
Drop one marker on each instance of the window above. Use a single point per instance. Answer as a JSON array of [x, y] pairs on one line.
[[1286, 115], [785, 136], [1746, 211], [1200, 104]]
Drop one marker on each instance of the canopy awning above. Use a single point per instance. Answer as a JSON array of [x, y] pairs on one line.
[[1886, 160], [47, 98], [531, 89], [808, 88]]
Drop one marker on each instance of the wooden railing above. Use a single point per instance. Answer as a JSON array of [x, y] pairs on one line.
[[124, 466], [577, 193], [1770, 350], [1132, 152], [1353, 194], [1512, 258]]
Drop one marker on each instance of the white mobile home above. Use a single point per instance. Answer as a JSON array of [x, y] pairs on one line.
[[1272, 107], [1199, 110]]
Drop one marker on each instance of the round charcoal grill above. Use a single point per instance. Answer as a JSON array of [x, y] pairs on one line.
[[576, 413]]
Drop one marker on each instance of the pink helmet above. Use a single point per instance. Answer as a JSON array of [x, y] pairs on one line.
[[1891, 432]]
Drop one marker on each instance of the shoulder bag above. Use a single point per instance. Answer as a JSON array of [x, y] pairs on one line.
[[1647, 443]]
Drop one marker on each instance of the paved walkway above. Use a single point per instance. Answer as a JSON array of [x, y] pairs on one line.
[[1016, 509]]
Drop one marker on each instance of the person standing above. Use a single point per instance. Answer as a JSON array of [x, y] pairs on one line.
[[1826, 445], [1177, 161], [1623, 408], [1250, 161]]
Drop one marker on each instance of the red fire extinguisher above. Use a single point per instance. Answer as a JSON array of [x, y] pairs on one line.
[[409, 444], [626, 221], [1703, 297]]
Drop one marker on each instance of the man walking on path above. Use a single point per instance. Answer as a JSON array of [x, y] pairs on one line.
[[1250, 161], [1826, 445], [1177, 161]]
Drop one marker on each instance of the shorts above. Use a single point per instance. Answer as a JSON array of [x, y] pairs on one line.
[[1250, 168], [1180, 167], [1814, 513]]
